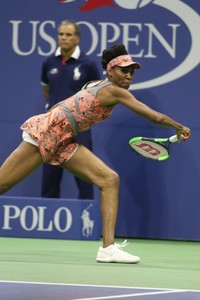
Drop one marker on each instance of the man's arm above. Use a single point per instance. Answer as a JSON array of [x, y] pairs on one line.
[[45, 89]]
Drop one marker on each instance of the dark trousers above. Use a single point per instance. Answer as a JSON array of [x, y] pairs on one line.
[[52, 175]]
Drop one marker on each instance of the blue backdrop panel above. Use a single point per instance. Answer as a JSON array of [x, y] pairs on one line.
[[157, 199], [49, 218]]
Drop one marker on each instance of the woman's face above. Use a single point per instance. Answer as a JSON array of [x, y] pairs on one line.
[[122, 76]]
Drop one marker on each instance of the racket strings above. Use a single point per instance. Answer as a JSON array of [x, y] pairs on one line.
[[150, 149]]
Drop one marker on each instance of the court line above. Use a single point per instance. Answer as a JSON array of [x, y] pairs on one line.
[[132, 295], [95, 285]]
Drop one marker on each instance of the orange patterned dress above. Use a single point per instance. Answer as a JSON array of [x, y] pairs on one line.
[[54, 131]]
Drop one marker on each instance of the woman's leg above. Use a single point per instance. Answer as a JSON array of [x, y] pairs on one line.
[[85, 165], [22, 161]]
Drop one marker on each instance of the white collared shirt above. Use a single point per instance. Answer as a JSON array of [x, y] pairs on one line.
[[74, 55]]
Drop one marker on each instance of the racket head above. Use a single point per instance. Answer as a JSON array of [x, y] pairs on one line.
[[149, 148]]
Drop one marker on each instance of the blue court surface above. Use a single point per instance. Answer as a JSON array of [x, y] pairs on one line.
[[15, 290]]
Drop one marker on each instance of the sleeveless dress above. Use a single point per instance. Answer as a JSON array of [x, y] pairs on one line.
[[54, 131]]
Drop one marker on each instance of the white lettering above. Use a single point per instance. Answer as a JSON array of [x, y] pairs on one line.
[[127, 37], [24, 219], [109, 32], [47, 38], [105, 31], [10, 212], [94, 36], [15, 37], [153, 31], [141, 39], [192, 21], [68, 219], [33, 218], [35, 24], [41, 214]]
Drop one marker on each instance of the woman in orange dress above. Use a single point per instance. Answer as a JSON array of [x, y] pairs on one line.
[[49, 138]]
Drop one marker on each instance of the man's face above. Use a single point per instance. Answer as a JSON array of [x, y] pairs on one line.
[[67, 39]]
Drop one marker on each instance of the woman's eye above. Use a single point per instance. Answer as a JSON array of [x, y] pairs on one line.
[[127, 71]]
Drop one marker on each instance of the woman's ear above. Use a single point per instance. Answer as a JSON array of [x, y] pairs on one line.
[[110, 73]]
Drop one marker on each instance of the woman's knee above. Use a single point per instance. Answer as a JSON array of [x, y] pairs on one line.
[[111, 179]]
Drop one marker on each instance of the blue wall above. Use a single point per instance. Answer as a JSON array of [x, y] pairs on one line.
[[157, 199]]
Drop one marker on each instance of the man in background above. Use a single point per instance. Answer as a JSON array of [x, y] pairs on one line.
[[63, 74]]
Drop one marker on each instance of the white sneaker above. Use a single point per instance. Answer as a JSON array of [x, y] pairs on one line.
[[115, 254]]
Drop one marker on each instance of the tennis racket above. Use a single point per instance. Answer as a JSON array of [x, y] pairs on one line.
[[154, 148]]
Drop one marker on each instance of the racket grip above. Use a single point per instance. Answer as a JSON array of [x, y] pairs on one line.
[[174, 138]]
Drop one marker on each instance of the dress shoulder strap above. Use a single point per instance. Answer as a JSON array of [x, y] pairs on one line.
[[94, 86]]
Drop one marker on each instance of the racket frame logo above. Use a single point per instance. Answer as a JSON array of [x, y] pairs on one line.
[[148, 148]]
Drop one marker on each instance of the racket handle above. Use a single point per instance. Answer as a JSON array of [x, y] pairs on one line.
[[174, 138]]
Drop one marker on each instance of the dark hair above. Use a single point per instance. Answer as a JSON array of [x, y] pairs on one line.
[[114, 51], [77, 30]]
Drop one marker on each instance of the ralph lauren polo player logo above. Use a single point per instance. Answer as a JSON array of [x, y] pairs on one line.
[[54, 71], [77, 73]]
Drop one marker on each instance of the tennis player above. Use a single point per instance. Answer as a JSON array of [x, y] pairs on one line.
[[49, 138]]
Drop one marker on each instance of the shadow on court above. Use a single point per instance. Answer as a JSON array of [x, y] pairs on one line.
[[13, 290]]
